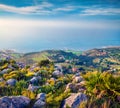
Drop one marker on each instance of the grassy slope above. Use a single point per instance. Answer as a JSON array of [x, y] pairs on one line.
[[112, 55]]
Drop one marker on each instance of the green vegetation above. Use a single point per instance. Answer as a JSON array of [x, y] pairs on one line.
[[51, 71], [103, 90]]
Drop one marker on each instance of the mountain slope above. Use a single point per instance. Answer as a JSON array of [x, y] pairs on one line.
[[10, 53], [53, 55], [95, 57]]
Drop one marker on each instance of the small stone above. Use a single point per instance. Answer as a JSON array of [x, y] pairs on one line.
[[39, 104], [41, 96], [11, 82]]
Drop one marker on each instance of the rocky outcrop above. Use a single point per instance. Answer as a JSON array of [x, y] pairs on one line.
[[74, 100], [14, 102]]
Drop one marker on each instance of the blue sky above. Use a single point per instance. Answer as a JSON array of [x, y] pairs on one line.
[[32, 25]]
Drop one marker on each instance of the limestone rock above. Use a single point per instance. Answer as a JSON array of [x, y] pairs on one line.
[[78, 79], [41, 96], [14, 102], [35, 80], [74, 100], [32, 87], [39, 104], [11, 82], [57, 73]]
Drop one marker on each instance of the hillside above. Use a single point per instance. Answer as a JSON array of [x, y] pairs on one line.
[[53, 55], [61, 55], [104, 52], [60, 79], [104, 58], [10, 53]]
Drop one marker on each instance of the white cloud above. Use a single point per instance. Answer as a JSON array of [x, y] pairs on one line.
[[17, 28], [101, 11], [46, 8], [21, 23], [21, 33], [67, 8], [28, 9]]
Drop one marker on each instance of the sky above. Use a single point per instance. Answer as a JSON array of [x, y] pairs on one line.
[[34, 25]]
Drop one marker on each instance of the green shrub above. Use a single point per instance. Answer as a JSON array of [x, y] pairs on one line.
[[101, 87]]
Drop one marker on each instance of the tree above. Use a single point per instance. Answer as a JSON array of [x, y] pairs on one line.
[[44, 63]]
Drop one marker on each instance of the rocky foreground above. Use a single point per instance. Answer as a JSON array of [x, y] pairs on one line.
[[73, 101], [68, 83]]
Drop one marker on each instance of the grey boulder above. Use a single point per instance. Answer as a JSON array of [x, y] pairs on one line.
[[41, 101], [4, 71], [74, 100], [1, 79], [57, 73], [39, 104], [32, 87], [14, 102], [35, 80], [78, 79], [11, 82], [41, 96]]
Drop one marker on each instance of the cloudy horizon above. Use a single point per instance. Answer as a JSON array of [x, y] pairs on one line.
[[37, 25]]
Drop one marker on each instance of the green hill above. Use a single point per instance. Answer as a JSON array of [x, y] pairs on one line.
[[103, 57], [53, 55]]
